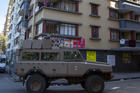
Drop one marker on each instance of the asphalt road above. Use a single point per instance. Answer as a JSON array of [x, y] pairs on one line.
[[7, 85]]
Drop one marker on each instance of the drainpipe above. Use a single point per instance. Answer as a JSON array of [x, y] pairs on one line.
[[45, 3], [33, 22]]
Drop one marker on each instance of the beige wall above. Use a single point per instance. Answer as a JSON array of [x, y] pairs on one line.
[[86, 20]]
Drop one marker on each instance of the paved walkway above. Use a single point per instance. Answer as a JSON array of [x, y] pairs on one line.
[[134, 75]]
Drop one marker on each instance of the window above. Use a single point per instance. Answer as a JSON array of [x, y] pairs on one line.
[[113, 4], [49, 56], [30, 56], [72, 55], [114, 35], [137, 36], [124, 35], [61, 29], [113, 14], [94, 9], [39, 29], [67, 5], [94, 32]]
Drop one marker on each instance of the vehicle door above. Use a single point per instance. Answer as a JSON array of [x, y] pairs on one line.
[[53, 64], [75, 63]]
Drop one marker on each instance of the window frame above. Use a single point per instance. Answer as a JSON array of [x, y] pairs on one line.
[[21, 58], [96, 10], [73, 60], [114, 12], [95, 28], [116, 32], [58, 55]]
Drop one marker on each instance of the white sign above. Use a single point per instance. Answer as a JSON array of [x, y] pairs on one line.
[[111, 60]]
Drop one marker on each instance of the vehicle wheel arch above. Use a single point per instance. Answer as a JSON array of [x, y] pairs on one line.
[[34, 71], [90, 72]]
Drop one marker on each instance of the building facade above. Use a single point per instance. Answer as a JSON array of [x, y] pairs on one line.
[[15, 35], [98, 27]]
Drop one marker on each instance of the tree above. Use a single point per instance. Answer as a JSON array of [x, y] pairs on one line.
[[3, 43]]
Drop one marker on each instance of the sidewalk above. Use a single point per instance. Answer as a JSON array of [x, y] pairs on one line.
[[119, 76]]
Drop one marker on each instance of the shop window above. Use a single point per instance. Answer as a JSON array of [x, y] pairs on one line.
[[126, 58], [114, 35], [49, 56], [94, 32], [72, 56], [28, 56], [113, 14], [94, 9]]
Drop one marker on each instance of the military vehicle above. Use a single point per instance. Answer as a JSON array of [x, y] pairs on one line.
[[39, 65]]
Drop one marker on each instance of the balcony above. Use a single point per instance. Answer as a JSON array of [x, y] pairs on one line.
[[21, 25], [131, 43], [24, 7], [128, 6], [129, 25]]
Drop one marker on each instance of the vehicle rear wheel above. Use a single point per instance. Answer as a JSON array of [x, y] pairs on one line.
[[95, 84], [36, 84]]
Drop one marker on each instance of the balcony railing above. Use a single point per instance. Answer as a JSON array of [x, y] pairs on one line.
[[127, 6], [130, 25], [131, 43], [69, 6], [24, 7]]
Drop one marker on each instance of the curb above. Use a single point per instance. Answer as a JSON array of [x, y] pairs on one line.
[[125, 78]]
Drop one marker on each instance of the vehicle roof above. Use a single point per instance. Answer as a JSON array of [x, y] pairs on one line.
[[41, 50]]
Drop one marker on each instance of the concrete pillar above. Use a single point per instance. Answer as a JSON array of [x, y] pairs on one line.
[[44, 26], [133, 35], [132, 15]]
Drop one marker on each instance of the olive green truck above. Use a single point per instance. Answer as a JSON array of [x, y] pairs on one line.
[[38, 64]]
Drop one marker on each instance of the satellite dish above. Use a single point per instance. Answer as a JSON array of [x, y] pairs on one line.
[[122, 41]]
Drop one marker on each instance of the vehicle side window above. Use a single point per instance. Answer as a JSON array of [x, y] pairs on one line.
[[49, 56], [30, 56], [68, 55]]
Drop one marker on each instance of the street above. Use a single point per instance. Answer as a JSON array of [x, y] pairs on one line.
[[7, 85]]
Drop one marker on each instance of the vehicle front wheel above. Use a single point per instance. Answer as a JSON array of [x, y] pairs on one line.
[[36, 84], [95, 84], [83, 85]]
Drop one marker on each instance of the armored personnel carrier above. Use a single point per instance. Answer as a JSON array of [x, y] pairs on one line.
[[39, 64]]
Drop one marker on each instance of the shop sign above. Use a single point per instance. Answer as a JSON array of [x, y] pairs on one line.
[[91, 55], [111, 60], [68, 43]]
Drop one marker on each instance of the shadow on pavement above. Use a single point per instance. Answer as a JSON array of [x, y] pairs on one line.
[[65, 91]]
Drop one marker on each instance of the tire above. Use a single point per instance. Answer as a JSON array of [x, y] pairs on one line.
[[36, 84], [83, 85], [95, 84], [47, 85]]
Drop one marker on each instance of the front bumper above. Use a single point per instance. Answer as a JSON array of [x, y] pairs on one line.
[[2, 69]]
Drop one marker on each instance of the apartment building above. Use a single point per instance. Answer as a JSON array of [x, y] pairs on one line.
[[7, 22], [16, 33], [103, 30]]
